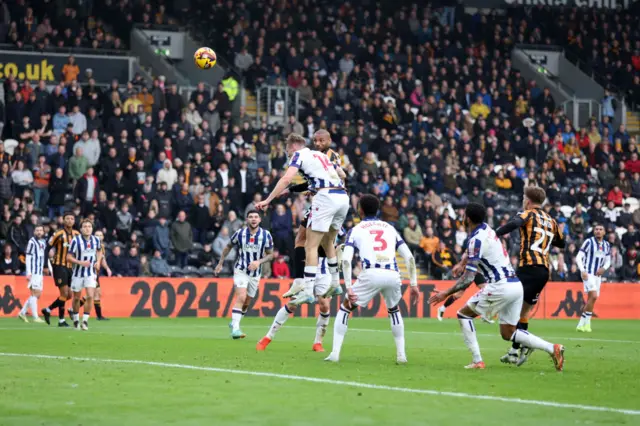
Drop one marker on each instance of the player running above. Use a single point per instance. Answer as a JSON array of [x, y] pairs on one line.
[[60, 242], [97, 303], [255, 247], [323, 281], [377, 242], [85, 254], [594, 258], [503, 293], [479, 282], [329, 208], [35, 259]]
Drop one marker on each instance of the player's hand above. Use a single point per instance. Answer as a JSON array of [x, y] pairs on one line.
[[28, 277], [600, 272], [353, 298], [109, 273], [85, 264], [254, 265], [414, 296], [457, 270], [262, 205], [439, 297], [584, 276], [218, 269]]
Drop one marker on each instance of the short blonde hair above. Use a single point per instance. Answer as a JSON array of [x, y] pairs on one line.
[[295, 138]]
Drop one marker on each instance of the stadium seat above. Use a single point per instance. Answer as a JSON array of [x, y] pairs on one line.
[[205, 271], [190, 271], [196, 248], [176, 271]]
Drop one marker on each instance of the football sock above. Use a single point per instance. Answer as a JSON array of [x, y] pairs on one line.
[[531, 341], [236, 316], [469, 336], [449, 301], [340, 329], [85, 317], [26, 306], [309, 277], [333, 270], [397, 329], [76, 316], [56, 304], [34, 306], [586, 318], [321, 326], [98, 307], [522, 325], [281, 317]]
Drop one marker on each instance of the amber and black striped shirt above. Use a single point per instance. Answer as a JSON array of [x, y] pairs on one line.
[[538, 232], [60, 242]]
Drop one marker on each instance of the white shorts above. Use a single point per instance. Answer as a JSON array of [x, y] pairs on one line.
[[503, 298], [592, 284], [78, 283], [328, 210], [373, 281], [322, 284], [242, 280], [35, 282]]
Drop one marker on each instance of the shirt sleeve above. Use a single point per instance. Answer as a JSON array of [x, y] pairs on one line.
[[269, 245], [73, 247], [473, 252], [234, 237], [585, 246], [350, 240], [296, 160], [399, 241]]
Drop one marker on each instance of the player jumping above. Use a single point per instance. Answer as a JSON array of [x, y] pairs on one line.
[[503, 293], [329, 209], [255, 247], [85, 254], [594, 258], [377, 242], [35, 259]]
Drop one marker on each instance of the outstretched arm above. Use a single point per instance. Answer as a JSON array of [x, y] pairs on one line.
[[280, 186], [510, 226], [462, 284], [223, 256]]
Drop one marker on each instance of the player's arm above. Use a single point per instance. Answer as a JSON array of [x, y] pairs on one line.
[[467, 278], [580, 259], [51, 244], [347, 258], [282, 184], [606, 265], [225, 252], [99, 255], [558, 238], [406, 254], [27, 259], [105, 265], [512, 225], [341, 173]]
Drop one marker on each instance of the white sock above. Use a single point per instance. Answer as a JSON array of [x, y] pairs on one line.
[[469, 335], [321, 326], [281, 317], [531, 341], [76, 316], [587, 317], [333, 270], [441, 309], [26, 305], [34, 306], [236, 316], [340, 329], [85, 317], [397, 328], [309, 277]]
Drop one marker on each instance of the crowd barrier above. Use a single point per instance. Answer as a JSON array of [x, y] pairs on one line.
[[213, 297]]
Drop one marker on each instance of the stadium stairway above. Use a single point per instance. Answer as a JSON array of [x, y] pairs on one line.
[[633, 122], [251, 106], [404, 270]]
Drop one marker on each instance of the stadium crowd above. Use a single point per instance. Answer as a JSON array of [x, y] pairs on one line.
[[429, 115]]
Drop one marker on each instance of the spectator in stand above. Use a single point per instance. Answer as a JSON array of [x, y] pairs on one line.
[[280, 268], [159, 266], [181, 238], [10, 264], [117, 262], [134, 267], [443, 259]]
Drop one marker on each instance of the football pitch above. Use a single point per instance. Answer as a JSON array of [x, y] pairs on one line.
[[190, 372]]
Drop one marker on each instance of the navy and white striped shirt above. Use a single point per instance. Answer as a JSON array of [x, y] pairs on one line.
[[595, 255], [85, 249], [35, 256], [488, 256], [317, 169], [251, 248]]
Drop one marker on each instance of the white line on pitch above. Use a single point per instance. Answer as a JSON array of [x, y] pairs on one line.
[[629, 412], [369, 330]]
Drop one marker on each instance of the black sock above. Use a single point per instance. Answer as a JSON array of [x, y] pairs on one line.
[[55, 304], [450, 301], [98, 306], [521, 326], [61, 312]]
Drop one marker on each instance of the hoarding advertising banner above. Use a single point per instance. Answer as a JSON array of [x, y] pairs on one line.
[[213, 297]]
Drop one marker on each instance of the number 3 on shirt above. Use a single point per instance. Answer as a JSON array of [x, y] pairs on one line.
[[381, 244]]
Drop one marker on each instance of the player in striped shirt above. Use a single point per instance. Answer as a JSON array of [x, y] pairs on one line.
[[35, 261], [255, 247], [594, 258], [84, 253]]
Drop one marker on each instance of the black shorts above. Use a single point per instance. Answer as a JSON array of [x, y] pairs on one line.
[[533, 279], [479, 279], [299, 262], [61, 276]]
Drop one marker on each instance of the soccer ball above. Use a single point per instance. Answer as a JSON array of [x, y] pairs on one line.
[[205, 58]]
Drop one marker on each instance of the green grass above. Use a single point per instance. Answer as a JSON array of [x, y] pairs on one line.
[[601, 370]]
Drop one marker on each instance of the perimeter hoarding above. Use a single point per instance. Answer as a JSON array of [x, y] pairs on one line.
[[45, 66], [213, 297]]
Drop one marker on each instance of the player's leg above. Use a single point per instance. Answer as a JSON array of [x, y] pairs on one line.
[[321, 323], [465, 317], [61, 277], [27, 303], [507, 300], [298, 283], [97, 303], [592, 288], [77, 284], [392, 294], [35, 296], [281, 317], [90, 289], [341, 209], [450, 300]]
